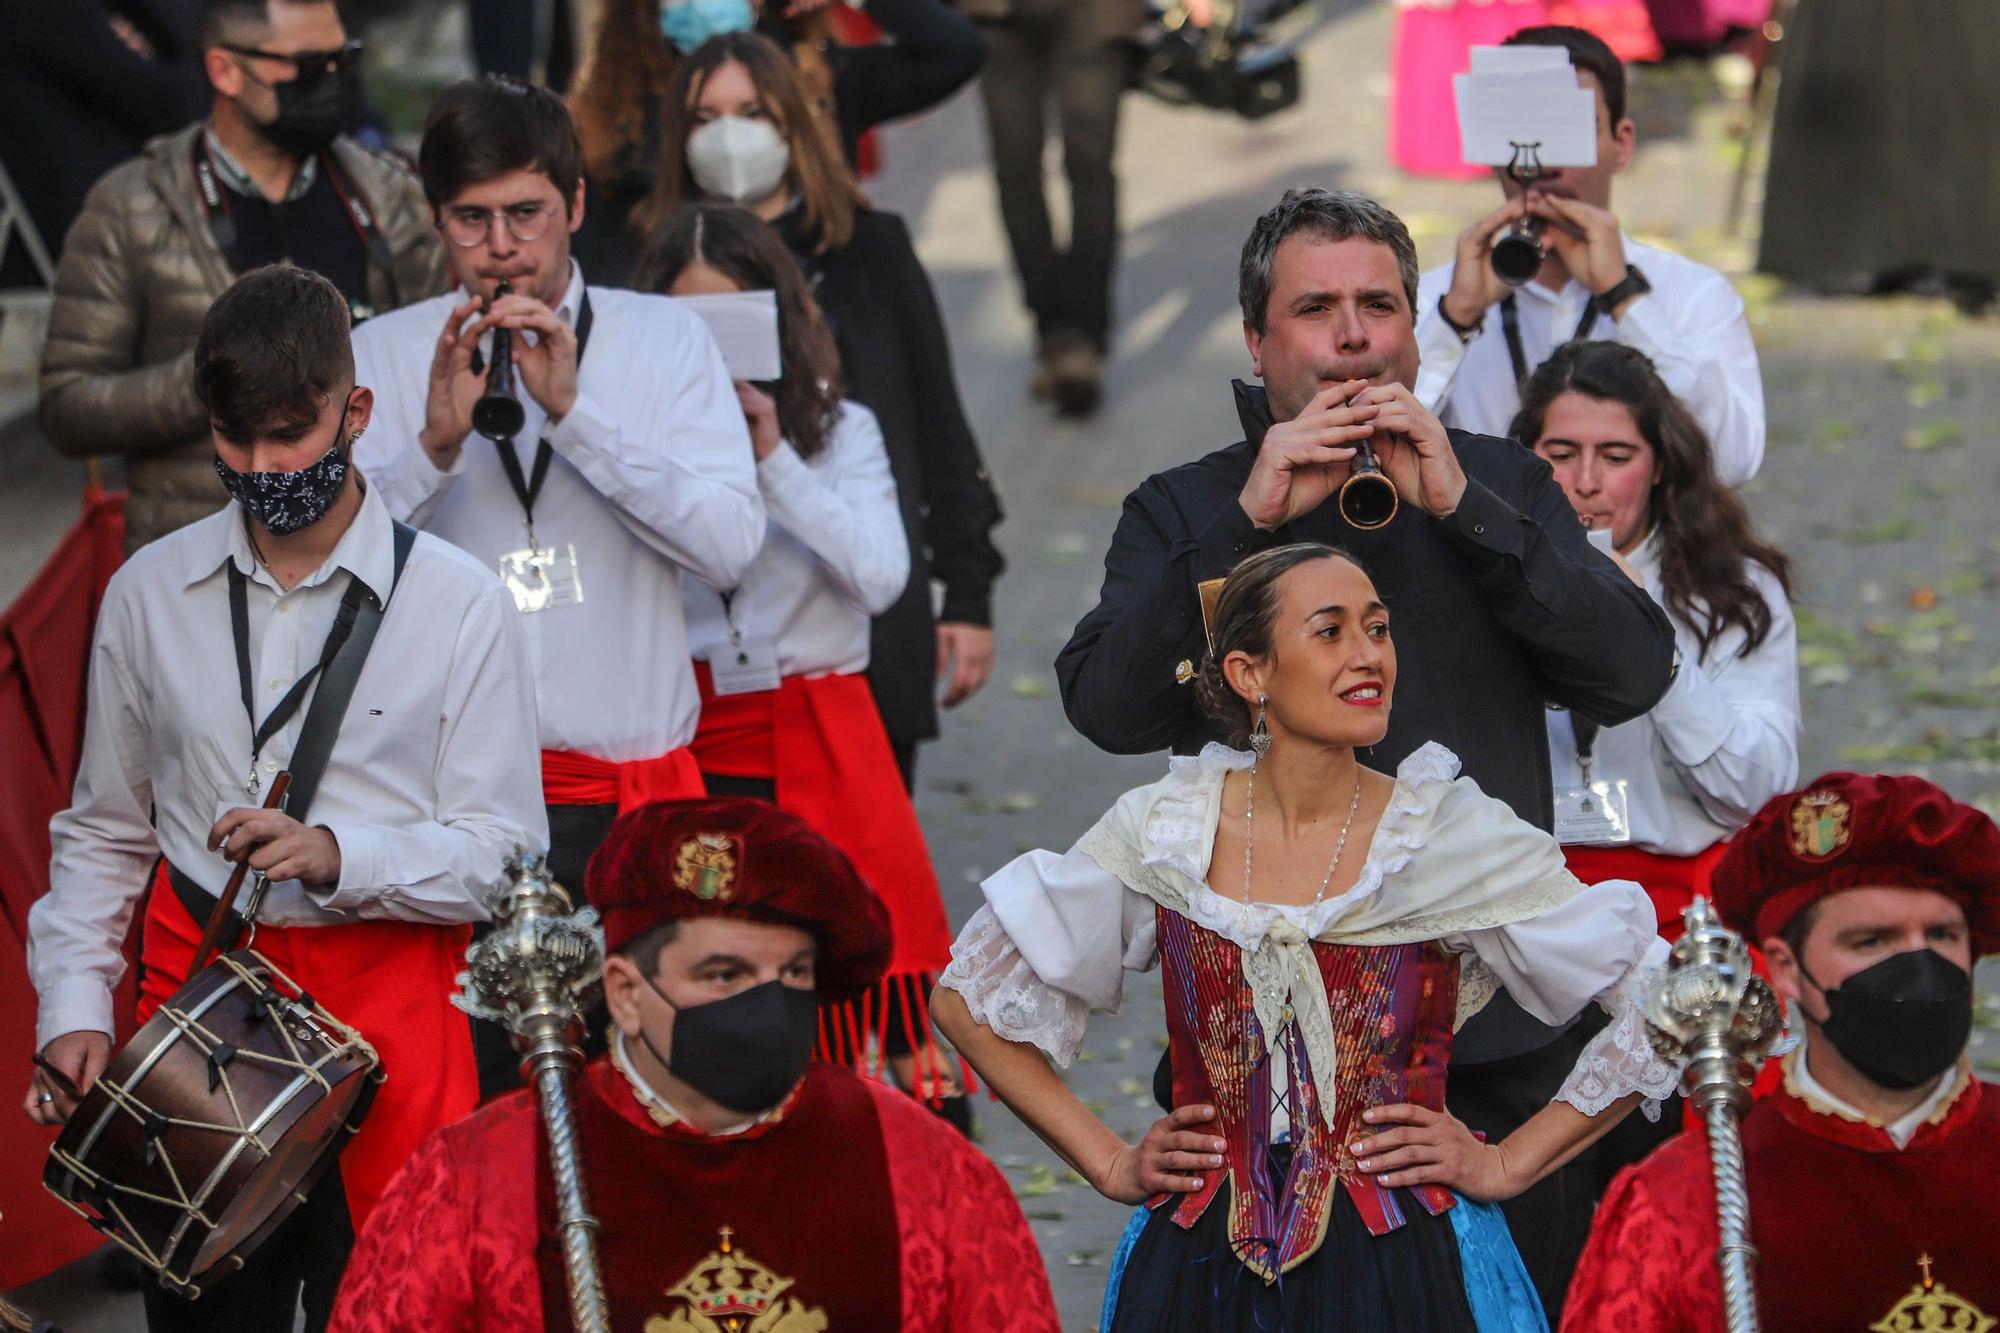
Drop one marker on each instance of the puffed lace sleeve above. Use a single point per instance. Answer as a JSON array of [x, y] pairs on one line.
[[1601, 945], [1051, 944]]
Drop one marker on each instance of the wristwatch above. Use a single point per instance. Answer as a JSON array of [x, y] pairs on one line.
[[1633, 284], [1465, 335]]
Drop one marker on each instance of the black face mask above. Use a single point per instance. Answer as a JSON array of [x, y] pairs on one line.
[[745, 1052], [312, 109], [1903, 1021]]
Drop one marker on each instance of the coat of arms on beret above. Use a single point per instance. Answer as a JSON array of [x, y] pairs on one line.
[[705, 866], [1820, 825]]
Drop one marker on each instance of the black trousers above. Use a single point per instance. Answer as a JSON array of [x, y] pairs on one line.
[[302, 1260], [574, 833], [1050, 53]]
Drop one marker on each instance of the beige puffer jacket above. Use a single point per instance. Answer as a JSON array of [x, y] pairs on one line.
[[139, 270]]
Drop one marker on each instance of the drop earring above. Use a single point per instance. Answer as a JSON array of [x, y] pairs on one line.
[[1260, 735]]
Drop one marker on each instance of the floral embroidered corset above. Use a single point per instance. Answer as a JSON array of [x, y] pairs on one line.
[[1392, 1008]]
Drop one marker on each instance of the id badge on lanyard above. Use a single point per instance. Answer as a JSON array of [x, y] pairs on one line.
[[1595, 810], [746, 666], [542, 578]]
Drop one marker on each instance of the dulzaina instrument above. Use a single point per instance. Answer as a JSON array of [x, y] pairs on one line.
[[498, 414], [211, 1125]]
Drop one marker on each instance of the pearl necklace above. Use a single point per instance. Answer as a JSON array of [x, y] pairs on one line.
[[1250, 835]]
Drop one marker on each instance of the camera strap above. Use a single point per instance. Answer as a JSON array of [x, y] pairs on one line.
[[213, 200], [1510, 324], [528, 486]]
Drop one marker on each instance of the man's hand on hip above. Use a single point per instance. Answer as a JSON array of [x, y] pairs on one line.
[[1303, 461], [1414, 451]]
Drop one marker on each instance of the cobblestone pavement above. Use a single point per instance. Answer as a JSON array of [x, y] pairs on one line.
[[1879, 480]]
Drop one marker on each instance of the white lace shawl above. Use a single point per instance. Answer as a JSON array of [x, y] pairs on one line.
[[1447, 863]]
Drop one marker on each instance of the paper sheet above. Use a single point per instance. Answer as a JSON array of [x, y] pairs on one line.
[[1519, 95], [745, 325]]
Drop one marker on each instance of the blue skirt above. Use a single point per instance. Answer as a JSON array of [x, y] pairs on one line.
[[1456, 1272]]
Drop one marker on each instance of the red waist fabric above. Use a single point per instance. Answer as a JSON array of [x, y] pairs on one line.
[[572, 778], [1670, 881], [824, 749], [389, 980]]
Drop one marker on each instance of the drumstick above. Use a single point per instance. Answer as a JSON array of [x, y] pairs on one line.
[[64, 1084], [211, 935]]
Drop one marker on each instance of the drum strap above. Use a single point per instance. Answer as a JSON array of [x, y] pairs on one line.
[[322, 725]]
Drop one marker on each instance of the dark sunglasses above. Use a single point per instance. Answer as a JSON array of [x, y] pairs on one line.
[[312, 66]]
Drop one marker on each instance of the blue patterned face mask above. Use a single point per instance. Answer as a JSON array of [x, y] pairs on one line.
[[286, 502], [689, 23]]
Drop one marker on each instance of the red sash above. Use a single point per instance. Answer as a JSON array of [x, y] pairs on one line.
[[572, 778], [819, 739], [783, 1222], [1670, 881], [389, 980]]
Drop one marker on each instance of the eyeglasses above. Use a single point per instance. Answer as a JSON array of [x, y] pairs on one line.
[[311, 66], [467, 227]]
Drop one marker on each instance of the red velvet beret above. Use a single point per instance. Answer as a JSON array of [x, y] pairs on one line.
[[746, 859], [1854, 830]]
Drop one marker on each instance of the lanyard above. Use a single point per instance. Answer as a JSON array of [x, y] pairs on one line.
[[215, 211], [528, 487], [1510, 324], [1586, 742], [282, 711]]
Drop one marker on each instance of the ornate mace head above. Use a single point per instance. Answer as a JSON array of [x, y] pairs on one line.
[[541, 960], [1712, 1011]]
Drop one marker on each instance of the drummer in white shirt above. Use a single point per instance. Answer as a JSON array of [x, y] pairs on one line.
[[632, 468], [787, 715], [376, 866], [1654, 799], [1480, 338]]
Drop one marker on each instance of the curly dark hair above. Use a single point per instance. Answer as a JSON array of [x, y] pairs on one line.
[[1706, 537], [743, 248], [1245, 614]]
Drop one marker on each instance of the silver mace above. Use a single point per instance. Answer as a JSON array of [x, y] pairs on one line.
[[1711, 1011], [532, 973]]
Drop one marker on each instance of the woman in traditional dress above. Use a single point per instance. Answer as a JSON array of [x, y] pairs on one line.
[[1322, 930]]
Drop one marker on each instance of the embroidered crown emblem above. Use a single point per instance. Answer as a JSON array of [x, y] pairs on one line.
[[705, 866], [1931, 1305], [1820, 825], [729, 1292]]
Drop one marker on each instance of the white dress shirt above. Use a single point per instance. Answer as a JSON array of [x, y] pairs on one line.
[[433, 782], [1691, 326], [1722, 741], [652, 473], [834, 555]]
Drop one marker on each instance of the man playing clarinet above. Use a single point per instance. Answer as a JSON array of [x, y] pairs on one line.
[[631, 463]]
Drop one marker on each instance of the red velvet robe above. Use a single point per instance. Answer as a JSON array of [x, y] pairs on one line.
[[1846, 1226], [452, 1246]]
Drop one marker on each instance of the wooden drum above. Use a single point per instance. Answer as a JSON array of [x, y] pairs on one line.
[[214, 1121]]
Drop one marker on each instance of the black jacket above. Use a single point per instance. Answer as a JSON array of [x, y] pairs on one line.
[[896, 358], [1496, 611]]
